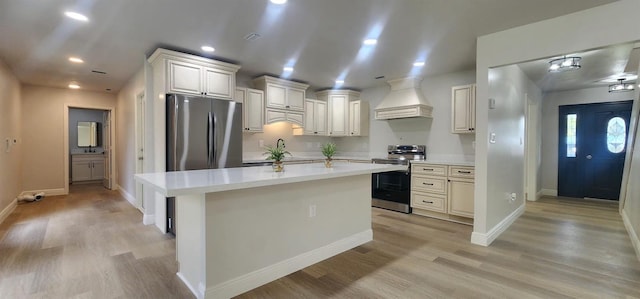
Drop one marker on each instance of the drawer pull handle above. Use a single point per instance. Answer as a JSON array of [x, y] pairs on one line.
[[427, 169], [467, 172], [428, 184], [427, 201]]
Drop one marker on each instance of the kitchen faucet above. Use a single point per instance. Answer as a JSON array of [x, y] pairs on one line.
[[278, 143]]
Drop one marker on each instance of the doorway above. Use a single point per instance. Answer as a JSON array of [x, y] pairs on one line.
[[592, 149], [140, 142], [88, 146]]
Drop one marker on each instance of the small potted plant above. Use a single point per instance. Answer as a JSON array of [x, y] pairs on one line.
[[328, 150], [276, 154]]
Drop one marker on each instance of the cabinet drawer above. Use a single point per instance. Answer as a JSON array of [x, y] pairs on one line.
[[428, 201], [461, 171], [429, 169], [429, 184]]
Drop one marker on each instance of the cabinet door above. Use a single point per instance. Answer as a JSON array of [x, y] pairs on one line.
[[321, 117], [472, 109], [460, 109], [254, 110], [338, 115], [240, 95], [310, 117], [80, 171], [295, 99], [272, 116], [354, 118], [218, 84], [276, 96], [461, 197], [97, 170], [185, 78]]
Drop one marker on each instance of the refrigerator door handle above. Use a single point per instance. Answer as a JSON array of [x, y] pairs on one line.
[[209, 139], [214, 120]]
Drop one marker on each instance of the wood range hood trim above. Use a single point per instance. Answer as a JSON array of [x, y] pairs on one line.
[[405, 100]]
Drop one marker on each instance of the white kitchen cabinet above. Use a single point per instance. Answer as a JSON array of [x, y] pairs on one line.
[[87, 167], [315, 118], [282, 94], [443, 191], [358, 118], [252, 108], [463, 109], [338, 110], [273, 116], [176, 72]]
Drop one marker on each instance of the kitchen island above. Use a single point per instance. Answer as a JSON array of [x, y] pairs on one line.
[[239, 228]]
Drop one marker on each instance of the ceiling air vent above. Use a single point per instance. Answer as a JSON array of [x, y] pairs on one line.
[[99, 72], [252, 36]]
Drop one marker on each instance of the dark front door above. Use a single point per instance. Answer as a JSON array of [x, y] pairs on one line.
[[592, 147]]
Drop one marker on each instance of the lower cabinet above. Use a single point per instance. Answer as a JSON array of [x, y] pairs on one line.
[[87, 167], [443, 191]]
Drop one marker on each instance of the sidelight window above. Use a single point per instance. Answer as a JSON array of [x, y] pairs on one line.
[[571, 135], [616, 135]]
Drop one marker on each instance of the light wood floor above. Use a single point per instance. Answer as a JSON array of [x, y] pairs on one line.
[[91, 244]]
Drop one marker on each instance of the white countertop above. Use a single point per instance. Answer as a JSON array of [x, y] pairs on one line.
[[216, 180], [445, 162]]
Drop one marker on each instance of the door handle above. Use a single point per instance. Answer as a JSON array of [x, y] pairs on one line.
[[589, 157], [140, 158]]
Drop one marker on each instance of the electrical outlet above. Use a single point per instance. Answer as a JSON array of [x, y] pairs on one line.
[[312, 211], [514, 196], [261, 142]]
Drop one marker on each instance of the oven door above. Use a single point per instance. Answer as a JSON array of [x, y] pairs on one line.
[[391, 186]]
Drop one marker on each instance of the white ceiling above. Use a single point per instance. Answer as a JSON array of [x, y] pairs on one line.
[[323, 37], [600, 67]]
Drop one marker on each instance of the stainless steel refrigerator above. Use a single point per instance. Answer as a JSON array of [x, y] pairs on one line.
[[202, 133]]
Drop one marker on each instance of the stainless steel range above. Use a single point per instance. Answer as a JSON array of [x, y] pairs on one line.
[[391, 190]]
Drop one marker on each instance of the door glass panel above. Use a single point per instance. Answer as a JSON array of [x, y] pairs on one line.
[[571, 135], [616, 133]]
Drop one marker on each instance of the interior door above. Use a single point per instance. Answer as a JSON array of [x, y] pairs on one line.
[[592, 149], [106, 120]]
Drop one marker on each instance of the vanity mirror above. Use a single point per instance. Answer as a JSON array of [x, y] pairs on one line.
[[88, 134]]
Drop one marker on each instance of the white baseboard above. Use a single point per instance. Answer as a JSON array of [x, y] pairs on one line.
[[8, 210], [486, 239], [538, 194], [130, 198], [47, 192], [265, 275], [633, 235], [198, 293], [148, 219], [549, 192]]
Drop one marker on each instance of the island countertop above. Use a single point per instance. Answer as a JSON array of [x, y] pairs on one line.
[[216, 180]]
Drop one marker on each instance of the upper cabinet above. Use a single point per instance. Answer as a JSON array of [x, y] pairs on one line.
[[347, 115], [282, 94], [315, 118], [463, 109], [252, 108], [358, 118], [176, 72]]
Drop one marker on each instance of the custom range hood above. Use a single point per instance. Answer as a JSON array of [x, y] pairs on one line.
[[404, 101]]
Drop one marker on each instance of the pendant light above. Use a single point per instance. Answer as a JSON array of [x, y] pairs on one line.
[[621, 86], [564, 64]]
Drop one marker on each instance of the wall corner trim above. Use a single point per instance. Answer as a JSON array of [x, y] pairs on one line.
[[8, 210], [127, 196], [633, 235], [486, 239], [148, 219]]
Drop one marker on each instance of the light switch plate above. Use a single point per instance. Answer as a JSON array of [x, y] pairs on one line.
[[492, 138], [492, 103]]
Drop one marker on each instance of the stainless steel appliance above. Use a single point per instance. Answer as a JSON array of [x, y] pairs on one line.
[[202, 133], [391, 190]]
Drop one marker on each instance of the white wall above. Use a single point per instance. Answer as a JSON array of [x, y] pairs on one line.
[[126, 132], [550, 105], [575, 32], [43, 110], [434, 132], [10, 127]]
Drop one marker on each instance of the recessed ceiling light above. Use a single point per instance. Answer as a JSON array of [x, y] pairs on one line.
[[76, 16], [370, 41], [418, 63], [74, 85], [76, 60], [278, 1], [339, 81], [207, 48], [287, 69]]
